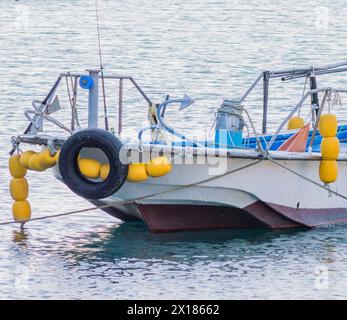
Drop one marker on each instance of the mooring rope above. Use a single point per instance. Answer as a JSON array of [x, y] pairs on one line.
[[308, 179], [122, 202]]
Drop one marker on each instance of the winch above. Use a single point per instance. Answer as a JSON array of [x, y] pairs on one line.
[[229, 124]]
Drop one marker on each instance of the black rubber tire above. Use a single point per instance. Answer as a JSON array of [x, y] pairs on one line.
[[92, 138]]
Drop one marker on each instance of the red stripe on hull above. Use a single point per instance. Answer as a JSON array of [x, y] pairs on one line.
[[170, 218], [270, 217], [312, 217]]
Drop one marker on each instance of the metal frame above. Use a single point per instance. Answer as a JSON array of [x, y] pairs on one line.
[[290, 74], [265, 76], [121, 79], [75, 76], [299, 105]]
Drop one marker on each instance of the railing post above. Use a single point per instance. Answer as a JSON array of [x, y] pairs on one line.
[[74, 104], [93, 97], [266, 80]]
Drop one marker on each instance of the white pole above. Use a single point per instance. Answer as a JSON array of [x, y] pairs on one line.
[[93, 115]]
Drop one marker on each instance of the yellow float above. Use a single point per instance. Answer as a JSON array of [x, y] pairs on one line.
[[137, 172], [15, 167], [34, 163], [328, 171], [296, 123], [56, 156], [328, 125], [19, 189], [330, 148], [21, 211], [90, 168], [46, 159], [24, 158], [158, 167], [104, 171]]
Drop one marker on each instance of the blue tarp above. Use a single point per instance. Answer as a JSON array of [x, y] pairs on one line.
[[250, 143]]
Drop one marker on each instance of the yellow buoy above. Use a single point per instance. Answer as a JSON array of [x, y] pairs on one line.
[[328, 125], [137, 172], [24, 158], [158, 167], [295, 123], [104, 171], [90, 168], [46, 160], [328, 171], [34, 163], [57, 155], [16, 169], [330, 148], [19, 189], [21, 211]]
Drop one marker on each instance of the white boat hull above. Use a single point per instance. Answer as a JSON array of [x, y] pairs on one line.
[[262, 195]]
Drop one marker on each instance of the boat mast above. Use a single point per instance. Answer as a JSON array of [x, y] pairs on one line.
[[101, 66]]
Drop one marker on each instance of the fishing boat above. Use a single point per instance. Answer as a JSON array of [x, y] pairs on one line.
[[292, 177]]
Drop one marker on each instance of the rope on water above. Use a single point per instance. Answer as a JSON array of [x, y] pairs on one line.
[[122, 202]]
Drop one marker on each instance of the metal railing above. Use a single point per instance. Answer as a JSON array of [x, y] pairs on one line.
[[121, 79], [42, 110], [291, 74], [326, 91]]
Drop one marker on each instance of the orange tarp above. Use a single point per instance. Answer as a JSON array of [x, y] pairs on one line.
[[297, 142]]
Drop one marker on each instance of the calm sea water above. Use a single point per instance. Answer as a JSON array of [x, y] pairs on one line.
[[210, 49]]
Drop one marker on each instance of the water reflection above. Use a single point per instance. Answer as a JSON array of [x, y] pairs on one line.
[[134, 241], [20, 237], [123, 259]]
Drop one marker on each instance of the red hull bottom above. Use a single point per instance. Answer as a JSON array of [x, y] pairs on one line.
[[172, 218]]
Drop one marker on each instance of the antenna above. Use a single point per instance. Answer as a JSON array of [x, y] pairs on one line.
[[101, 65]]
